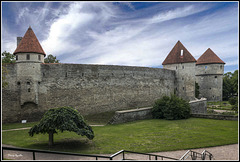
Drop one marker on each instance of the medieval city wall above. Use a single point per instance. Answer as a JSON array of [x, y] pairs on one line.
[[88, 88]]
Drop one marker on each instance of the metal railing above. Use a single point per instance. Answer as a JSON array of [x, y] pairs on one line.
[[123, 152], [156, 157], [51, 152], [195, 155], [205, 154]]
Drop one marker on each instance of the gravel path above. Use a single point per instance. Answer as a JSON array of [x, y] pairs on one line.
[[226, 152]]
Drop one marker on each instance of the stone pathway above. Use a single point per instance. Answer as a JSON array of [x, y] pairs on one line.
[[226, 152], [31, 127]]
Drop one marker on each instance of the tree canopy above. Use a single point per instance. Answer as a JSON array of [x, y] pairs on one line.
[[7, 57], [230, 85], [51, 59], [62, 119]]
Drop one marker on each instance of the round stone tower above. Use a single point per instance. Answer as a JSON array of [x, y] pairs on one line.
[[180, 60], [29, 56], [209, 75]]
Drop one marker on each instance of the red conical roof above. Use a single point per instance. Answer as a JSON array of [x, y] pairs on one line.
[[209, 57], [174, 57], [29, 43]]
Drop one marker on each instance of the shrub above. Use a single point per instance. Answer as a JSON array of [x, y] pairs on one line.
[[171, 108], [234, 102]]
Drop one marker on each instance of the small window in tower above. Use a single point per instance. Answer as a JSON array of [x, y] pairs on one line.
[[18, 83], [215, 76], [176, 67], [28, 83], [181, 53], [183, 88], [39, 57], [220, 66], [182, 67], [205, 67], [28, 56], [29, 90], [17, 57]]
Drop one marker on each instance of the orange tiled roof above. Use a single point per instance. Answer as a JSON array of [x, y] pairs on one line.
[[29, 43], [209, 57], [174, 57]]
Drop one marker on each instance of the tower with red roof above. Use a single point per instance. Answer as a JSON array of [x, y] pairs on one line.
[[181, 60], [29, 49], [29, 57], [209, 75]]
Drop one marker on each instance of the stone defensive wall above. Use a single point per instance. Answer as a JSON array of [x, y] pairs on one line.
[[198, 107], [88, 88]]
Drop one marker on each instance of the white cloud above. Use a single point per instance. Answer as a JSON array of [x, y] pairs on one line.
[[101, 33], [176, 13]]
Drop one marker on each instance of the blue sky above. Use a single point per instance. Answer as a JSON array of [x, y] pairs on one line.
[[124, 33]]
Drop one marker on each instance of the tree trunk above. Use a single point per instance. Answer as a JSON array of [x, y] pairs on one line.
[[50, 142]]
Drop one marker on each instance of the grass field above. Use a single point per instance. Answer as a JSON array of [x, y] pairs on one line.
[[220, 105], [142, 136]]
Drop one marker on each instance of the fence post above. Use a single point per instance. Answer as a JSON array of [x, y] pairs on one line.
[[123, 156], [34, 156]]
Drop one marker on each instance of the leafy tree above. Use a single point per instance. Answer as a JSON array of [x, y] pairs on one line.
[[196, 90], [51, 59], [234, 81], [171, 108], [230, 85], [63, 119], [8, 57]]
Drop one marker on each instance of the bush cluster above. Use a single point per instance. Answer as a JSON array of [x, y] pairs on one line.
[[171, 108], [234, 102]]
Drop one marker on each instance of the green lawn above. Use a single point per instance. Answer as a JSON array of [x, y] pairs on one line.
[[220, 105], [17, 125], [142, 136]]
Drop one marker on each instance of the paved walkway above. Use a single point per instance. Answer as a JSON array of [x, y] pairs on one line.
[[31, 127], [226, 152]]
